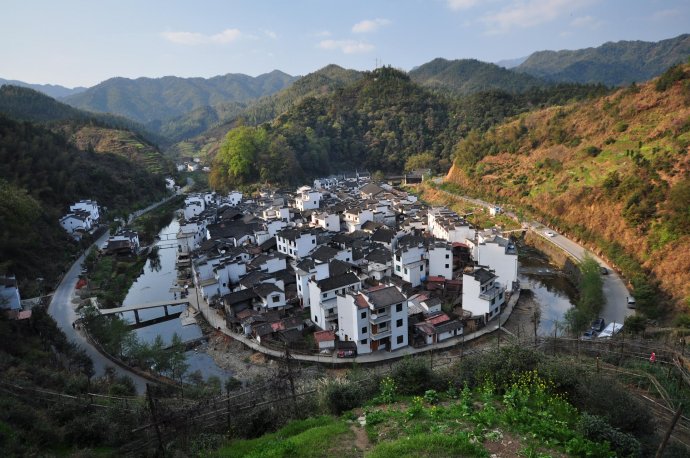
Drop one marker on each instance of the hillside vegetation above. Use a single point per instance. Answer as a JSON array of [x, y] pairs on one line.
[[614, 173], [613, 64], [42, 174], [151, 100], [202, 130], [468, 76]]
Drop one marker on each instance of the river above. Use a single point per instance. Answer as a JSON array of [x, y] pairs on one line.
[[155, 284], [550, 287]]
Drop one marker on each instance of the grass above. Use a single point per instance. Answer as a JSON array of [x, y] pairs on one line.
[[313, 437], [429, 445]]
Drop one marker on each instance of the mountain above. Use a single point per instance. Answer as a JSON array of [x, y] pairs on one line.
[[208, 125], [468, 76], [53, 90], [511, 63], [613, 64], [101, 132], [613, 173], [42, 173], [150, 100]]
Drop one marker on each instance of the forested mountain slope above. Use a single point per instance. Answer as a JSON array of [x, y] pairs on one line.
[[614, 173], [613, 64]]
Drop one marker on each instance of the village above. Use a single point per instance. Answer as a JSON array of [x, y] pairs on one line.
[[345, 267]]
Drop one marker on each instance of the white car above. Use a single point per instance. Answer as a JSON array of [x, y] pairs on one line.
[[550, 233]]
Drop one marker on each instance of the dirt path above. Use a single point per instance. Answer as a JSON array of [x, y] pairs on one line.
[[361, 439]]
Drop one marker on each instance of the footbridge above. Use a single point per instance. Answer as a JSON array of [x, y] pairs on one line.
[[190, 300]]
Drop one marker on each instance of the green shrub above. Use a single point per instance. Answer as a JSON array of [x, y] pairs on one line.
[[592, 151], [598, 430], [340, 396], [413, 376]]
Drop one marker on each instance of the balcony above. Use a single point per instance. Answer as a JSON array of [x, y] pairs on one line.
[[379, 318], [492, 292], [382, 333]]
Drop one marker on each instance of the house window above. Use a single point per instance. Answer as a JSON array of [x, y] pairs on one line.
[[397, 257], [363, 341], [398, 307], [397, 268], [313, 242], [399, 340], [447, 256], [330, 311], [364, 314], [493, 301], [406, 270], [364, 330], [324, 295], [500, 296], [383, 325], [399, 323], [447, 266], [276, 298], [316, 318], [421, 268], [381, 311]]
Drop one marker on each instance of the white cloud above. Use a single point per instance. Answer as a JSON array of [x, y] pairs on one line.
[[665, 14], [370, 25], [194, 38], [529, 13], [457, 5], [586, 22], [323, 33], [347, 46]]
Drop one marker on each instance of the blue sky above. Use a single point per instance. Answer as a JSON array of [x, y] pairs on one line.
[[83, 42]]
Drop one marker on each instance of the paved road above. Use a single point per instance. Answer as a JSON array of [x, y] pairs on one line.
[[615, 291], [62, 310]]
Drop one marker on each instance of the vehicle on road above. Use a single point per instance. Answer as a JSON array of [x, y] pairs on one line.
[[550, 233], [598, 325], [604, 270], [631, 302], [588, 335], [611, 330]]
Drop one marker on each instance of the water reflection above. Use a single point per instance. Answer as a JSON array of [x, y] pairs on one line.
[[551, 289], [155, 284]]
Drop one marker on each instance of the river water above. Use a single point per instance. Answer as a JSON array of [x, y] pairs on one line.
[[155, 284], [550, 287]]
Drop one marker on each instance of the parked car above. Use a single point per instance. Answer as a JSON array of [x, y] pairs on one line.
[[346, 354], [550, 233], [631, 302], [598, 325], [588, 335], [604, 271]]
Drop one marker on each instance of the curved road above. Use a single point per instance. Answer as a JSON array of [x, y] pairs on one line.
[[62, 311], [616, 293]]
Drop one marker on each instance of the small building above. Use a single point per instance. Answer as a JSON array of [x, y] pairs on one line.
[[9, 294], [325, 340]]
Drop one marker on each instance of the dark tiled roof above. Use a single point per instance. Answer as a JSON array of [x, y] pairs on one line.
[[324, 253], [385, 296], [338, 281], [483, 276]]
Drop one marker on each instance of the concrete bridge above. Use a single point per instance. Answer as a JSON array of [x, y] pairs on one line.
[[149, 305]]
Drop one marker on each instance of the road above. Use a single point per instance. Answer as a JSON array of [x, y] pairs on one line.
[[61, 308], [614, 289]]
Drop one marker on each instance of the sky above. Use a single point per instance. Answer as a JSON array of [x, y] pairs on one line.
[[83, 42]]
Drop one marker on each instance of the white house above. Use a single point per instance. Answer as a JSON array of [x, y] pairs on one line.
[[500, 255], [234, 198], [409, 263], [269, 263], [322, 297], [9, 293], [193, 206], [447, 225], [440, 255], [355, 217], [308, 269], [295, 243], [90, 206], [326, 220], [307, 198], [375, 319], [482, 294], [73, 222]]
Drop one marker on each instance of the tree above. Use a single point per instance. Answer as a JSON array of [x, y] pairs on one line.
[[425, 160]]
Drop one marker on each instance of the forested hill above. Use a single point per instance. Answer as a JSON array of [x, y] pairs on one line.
[[42, 174], [151, 100], [468, 76], [381, 122], [103, 133], [51, 90], [614, 173], [613, 64], [375, 123], [203, 129]]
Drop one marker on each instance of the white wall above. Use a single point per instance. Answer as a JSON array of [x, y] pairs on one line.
[[441, 262]]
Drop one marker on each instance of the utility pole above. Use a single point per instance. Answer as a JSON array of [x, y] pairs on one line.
[[152, 408]]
